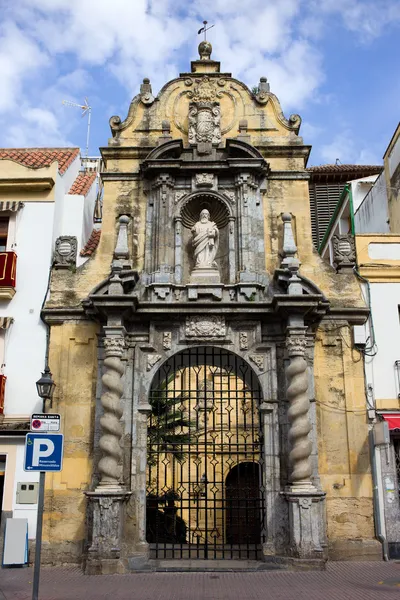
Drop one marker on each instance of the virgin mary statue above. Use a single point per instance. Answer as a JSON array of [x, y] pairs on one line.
[[205, 242]]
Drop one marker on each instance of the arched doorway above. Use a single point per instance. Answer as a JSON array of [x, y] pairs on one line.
[[243, 510], [204, 424]]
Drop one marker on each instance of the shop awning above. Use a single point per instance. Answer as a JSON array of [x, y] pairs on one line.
[[393, 420], [12, 206], [5, 322]]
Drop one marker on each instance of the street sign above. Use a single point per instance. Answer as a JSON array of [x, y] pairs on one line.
[[45, 422], [43, 452]]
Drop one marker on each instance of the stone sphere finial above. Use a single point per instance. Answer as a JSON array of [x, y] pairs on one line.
[[205, 50], [286, 217]]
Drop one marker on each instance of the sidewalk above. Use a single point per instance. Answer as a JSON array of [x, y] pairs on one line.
[[340, 581]]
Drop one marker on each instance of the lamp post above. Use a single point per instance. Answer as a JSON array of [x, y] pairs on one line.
[[45, 388]]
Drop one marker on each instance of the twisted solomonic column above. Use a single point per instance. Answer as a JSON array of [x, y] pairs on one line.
[[298, 413], [109, 465]]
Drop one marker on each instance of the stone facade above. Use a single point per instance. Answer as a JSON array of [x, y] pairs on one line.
[[207, 143]]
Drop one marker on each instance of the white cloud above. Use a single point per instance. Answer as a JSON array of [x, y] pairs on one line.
[[131, 39], [35, 127], [20, 58], [349, 150], [366, 18]]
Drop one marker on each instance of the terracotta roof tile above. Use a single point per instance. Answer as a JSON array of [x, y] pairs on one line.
[[37, 158], [372, 169], [92, 243], [82, 183]]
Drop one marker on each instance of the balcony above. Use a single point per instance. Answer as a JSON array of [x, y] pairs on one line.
[[3, 379], [8, 272]]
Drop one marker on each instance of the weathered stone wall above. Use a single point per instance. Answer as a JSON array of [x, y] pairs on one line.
[[344, 463], [73, 359]]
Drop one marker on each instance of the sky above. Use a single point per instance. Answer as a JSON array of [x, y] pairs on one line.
[[334, 62]]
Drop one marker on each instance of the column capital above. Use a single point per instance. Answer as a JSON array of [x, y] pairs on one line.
[[296, 341], [114, 346]]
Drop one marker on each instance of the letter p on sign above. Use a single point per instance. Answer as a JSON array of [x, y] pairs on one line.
[[41, 449]]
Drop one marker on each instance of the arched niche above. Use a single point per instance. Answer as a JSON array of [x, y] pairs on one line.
[[188, 213]]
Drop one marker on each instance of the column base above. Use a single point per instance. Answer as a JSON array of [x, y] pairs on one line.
[[306, 522], [108, 509]]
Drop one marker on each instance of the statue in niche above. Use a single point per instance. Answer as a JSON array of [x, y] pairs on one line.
[[205, 243]]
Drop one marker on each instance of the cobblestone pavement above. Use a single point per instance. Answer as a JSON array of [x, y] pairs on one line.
[[340, 581]]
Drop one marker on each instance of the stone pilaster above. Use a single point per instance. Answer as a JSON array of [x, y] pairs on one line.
[[110, 464], [298, 411], [107, 501], [306, 510]]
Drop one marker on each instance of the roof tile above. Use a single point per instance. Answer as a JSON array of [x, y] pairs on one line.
[[92, 243], [346, 168], [82, 183], [37, 158]]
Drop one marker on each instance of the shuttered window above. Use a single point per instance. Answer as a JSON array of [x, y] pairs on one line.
[[323, 200]]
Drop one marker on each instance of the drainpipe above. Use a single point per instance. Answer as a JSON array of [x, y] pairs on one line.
[[380, 529]]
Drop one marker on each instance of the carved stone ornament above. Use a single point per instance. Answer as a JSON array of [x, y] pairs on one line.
[[205, 326], [344, 251], [146, 93], [243, 340], [114, 346], [204, 180], [258, 360], [178, 195], [152, 359], [204, 90], [305, 502], [204, 123], [296, 345], [167, 340], [230, 194], [65, 251]]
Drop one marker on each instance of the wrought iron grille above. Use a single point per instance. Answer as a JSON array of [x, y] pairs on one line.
[[205, 492]]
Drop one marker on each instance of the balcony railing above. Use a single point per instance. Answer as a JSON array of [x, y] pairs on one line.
[[3, 379], [8, 273]]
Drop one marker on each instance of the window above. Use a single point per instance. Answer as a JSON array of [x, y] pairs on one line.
[[3, 233]]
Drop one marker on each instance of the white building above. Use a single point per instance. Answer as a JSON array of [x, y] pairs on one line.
[[364, 234], [44, 194]]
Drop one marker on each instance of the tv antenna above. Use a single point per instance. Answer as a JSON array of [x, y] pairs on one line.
[[86, 109], [205, 29]]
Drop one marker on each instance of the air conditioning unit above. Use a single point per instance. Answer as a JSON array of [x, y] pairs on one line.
[[359, 335]]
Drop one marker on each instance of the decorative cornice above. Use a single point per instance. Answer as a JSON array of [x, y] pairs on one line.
[[278, 175], [27, 185]]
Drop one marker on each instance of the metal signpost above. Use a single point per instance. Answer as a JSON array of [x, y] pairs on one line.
[[43, 453]]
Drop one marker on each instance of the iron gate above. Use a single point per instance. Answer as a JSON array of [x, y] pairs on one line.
[[205, 494]]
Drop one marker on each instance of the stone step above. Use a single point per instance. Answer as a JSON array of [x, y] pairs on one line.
[[182, 565]]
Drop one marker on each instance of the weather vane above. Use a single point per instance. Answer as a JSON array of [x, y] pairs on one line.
[[204, 29]]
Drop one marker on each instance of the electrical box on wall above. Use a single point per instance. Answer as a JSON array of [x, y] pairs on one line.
[[381, 433], [359, 335], [27, 492]]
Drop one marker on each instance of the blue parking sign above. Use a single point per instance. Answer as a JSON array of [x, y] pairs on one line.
[[43, 452]]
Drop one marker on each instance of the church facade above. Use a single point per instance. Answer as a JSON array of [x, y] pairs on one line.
[[212, 405]]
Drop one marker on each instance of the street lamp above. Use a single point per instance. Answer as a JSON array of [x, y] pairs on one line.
[[45, 385]]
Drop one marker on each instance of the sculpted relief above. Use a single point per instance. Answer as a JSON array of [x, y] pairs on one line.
[[204, 123]]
